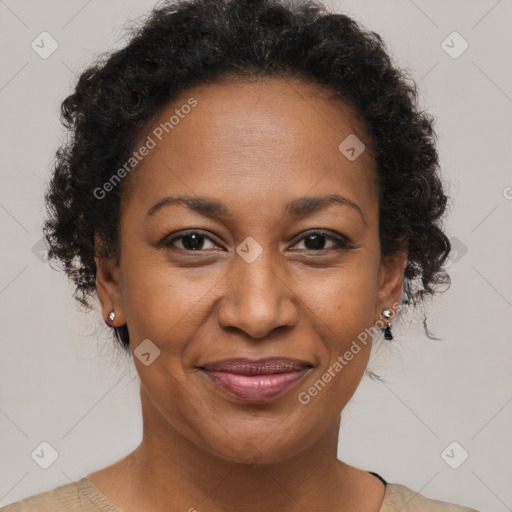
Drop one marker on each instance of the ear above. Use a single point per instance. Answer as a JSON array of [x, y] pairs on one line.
[[391, 278], [109, 290]]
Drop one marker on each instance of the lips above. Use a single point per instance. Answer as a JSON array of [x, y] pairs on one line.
[[256, 380]]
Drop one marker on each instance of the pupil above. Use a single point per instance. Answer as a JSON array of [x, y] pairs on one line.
[[317, 242], [195, 242]]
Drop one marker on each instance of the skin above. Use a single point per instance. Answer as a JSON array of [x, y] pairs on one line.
[[254, 146]]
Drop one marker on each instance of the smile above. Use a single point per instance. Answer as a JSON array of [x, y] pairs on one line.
[[256, 381]]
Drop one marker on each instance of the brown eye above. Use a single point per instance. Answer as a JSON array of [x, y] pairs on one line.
[[191, 241], [316, 241]]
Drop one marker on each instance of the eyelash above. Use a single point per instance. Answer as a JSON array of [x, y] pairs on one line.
[[341, 242]]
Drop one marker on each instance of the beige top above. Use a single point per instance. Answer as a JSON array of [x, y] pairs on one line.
[[84, 496]]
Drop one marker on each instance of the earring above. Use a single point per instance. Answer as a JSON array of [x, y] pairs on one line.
[[387, 314], [111, 316]]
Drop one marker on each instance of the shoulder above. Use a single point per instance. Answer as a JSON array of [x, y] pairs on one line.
[[76, 496], [400, 498]]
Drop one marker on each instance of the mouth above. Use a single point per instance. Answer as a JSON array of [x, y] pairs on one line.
[[256, 380]]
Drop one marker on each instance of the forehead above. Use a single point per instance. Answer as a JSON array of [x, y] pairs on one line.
[[245, 140]]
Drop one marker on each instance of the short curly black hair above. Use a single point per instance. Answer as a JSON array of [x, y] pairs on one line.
[[182, 43]]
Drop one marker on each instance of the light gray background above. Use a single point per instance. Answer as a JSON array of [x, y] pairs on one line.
[[60, 380]]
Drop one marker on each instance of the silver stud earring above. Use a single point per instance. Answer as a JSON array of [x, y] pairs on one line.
[[111, 316], [387, 314]]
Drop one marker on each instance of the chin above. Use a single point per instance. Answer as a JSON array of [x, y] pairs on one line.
[[256, 455], [257, 449]]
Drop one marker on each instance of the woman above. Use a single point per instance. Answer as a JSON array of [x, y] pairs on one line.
[[252, 193]]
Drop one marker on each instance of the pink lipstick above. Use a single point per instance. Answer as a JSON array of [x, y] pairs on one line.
[[256, 380]]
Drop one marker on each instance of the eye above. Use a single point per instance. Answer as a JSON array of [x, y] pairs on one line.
[[190, 241], [316, 240]]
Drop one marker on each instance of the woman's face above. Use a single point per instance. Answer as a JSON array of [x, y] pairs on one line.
[[264, 277]]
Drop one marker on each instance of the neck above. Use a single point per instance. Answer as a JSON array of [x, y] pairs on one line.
[[168, 468]]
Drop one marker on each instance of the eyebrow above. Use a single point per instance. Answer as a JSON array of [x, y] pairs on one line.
[[295, 209]]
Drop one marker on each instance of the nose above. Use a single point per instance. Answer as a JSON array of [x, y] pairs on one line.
[[258, 298]]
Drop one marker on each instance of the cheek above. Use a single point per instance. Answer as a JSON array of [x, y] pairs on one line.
[[342, 316], [344, 299], [161, 302], [342, 322]]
